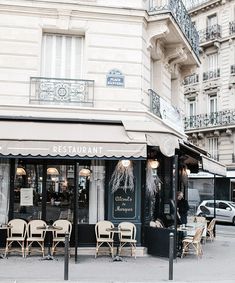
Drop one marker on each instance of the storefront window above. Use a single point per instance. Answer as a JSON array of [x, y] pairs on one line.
[[45, 190], [28, 191], [59, 192]]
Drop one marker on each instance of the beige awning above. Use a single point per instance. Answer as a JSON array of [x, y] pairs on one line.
[[212, 166], [27, 138], [155, 134]]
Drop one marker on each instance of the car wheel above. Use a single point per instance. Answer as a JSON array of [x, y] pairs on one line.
[[233, 221]]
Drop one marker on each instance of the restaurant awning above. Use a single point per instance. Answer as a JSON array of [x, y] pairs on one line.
[[40, 138], [212, 166], [197, 154], [155, 134]]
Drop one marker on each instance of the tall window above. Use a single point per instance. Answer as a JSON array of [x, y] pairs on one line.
[[212, 20], [212, 62], [192, 106], [212, 103], [61, 56], [212, 147]]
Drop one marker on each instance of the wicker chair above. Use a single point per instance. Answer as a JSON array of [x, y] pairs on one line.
[[34, 235], [17, 234], [193, 244], [59, 235], [103, 235], [210, 230], [128, 237]]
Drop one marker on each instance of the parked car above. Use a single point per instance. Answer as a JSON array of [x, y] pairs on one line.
[[225, 210]]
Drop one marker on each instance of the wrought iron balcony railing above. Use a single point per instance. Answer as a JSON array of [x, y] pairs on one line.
[[213, 74], [164, 110], [210, 33], [193, 79], [180, 14], [61, 91], [232, 27], [232, 70], [214, 119]]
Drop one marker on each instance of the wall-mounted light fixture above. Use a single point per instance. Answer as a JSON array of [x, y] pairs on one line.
[[154, 163], [52, 171], [125, 162], [20, 171], [85, 172]]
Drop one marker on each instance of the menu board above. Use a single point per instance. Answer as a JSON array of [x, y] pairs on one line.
[[124, 204], [26, 196]]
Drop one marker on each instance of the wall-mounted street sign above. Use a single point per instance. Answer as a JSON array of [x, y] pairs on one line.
[[115, 78]]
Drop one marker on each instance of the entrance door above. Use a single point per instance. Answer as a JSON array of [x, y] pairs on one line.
[[60, 184]]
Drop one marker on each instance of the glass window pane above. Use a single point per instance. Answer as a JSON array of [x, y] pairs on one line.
[[28, 191]]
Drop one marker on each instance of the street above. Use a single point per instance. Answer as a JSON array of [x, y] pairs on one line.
[[225, 230]]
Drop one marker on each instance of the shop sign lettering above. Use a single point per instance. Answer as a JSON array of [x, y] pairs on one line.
[[70, 149], [124, 204]]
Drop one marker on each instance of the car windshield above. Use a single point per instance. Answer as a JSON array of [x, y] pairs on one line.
[[232, 204]]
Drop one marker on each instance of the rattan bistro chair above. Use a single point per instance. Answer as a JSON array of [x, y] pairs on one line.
[[128, 237], [35, 235], [59, 235], [17, 234], [193, 244], [210, 230], [103, 235]]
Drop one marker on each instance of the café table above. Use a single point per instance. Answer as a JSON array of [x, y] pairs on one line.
[[4, 227], [118, 231], [49, 229]]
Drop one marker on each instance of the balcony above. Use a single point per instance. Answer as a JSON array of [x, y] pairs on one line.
[[214, 119], [211, 33], [232, 28], [164, 110], [61, 91], [193, 79], [178, 11], [210, 75]]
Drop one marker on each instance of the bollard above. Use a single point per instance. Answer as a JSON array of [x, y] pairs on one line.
[[66, 256], [171, 255]]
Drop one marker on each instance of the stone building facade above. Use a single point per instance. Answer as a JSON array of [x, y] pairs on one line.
[[209, 91]]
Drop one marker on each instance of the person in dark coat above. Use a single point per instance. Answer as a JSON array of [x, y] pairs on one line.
[[183, 207]]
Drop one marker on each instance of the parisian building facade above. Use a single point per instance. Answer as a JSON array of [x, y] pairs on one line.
[[85, 85], [209, 91]]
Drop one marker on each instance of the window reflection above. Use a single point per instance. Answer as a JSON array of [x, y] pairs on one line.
[[28, 177], [53, 197]]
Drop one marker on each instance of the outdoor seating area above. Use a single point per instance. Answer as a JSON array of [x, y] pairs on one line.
[[22, 236], [190, 237]]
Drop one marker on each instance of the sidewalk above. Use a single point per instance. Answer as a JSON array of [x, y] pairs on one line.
[[216, 265]]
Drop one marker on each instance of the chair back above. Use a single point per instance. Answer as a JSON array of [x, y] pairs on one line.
[[198, 235], [130, 233], [65, 225], [211, 224], [18, 228], [152, 224], [101, 229], [32, 228], [159, 223]]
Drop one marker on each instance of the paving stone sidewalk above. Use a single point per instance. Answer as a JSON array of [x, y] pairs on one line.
[[216, 265]]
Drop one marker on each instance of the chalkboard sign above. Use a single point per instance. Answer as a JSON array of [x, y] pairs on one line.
[[124, 204]]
